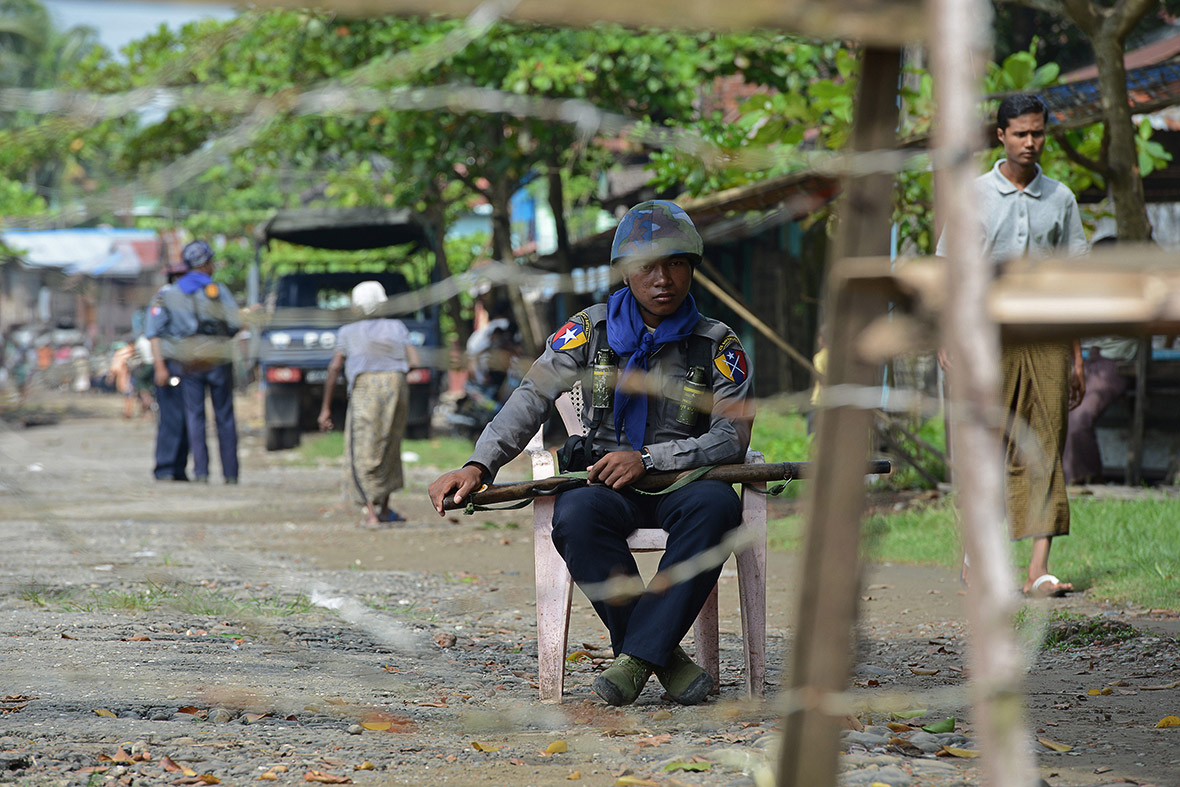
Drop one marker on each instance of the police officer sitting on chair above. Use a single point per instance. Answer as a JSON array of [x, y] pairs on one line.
[[682, 400], [204, 316]]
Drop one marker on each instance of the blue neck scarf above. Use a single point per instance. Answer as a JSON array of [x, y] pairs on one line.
[[627, 335], [193, 281]]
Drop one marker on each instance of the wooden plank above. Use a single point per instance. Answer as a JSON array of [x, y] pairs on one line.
[[880, 22], [822, 656]]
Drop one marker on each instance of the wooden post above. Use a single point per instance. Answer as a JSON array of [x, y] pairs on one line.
[[822, 659], [972, 342], [1138, 415]]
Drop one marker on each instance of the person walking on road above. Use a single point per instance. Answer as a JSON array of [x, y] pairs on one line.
[[163, 335], [1027, 214], [375, 354], [682, 400], [205, 316]]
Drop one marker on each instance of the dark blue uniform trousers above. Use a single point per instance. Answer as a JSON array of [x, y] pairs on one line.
[[219, 380], [590, 529], [171, 431]]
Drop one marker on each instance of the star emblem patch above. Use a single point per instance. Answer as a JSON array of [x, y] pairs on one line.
[[731, 360], [571, 335]]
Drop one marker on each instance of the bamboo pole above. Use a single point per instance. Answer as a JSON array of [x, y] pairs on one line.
[[972, 339], [822, 657]]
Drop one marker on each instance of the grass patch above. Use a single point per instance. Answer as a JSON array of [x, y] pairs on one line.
[[149, 597], [1120, 550], [442, 452]]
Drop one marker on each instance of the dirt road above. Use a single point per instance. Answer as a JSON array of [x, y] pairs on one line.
[[164, 633]]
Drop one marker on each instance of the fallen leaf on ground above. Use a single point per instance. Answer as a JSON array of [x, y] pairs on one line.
[[850, 722], [253, 717], [895, 726], [578, 655], [104, 713], [924, 672], [1174, 684], [957, 752], [946, 725], [381, 721], [365, 766], [654, 740], [516, 761], [121, 756], [139, 638], [1169, 721], [635, 781], [189, 709], [573, 777], [557, 747], [484, 746], [67, 636], [323, 777], [908, 714], [1097, 692], [268, 776], [688, 766], [1054, 745]]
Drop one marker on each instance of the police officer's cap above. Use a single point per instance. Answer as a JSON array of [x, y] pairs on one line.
[[196, 254], [654, 229]]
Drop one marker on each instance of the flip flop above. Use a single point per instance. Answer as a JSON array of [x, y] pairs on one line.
[[1038, 589]]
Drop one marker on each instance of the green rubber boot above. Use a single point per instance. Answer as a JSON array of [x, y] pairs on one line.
[[623, 681], [683, 679]]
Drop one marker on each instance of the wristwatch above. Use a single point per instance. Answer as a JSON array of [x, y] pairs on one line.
[[645, 457]]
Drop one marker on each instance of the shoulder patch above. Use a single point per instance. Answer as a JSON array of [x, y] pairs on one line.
[[211, 291], [731, 360], [573, 334], [156, 309]]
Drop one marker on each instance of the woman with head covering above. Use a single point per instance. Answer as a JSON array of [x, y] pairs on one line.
[[375, 353]]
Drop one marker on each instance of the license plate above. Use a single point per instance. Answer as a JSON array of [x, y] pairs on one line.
[[315, 375]]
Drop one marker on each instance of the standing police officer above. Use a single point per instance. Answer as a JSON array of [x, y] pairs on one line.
[[204, 317], [171, 431], [682, 400]]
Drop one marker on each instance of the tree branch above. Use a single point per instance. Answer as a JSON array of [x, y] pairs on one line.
[[1054, 7], [1125, 14], [1076, 157], [1087, 16]]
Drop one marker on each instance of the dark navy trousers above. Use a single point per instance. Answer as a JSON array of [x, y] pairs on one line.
[[220, 382], [590, 529], [171, 431]]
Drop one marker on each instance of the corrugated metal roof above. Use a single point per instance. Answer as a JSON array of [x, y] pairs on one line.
[[88, 252]]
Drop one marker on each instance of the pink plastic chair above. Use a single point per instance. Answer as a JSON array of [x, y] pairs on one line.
[[555, 587]]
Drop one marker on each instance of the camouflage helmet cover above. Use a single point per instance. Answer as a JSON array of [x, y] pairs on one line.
[[196, 254], [654, 229]]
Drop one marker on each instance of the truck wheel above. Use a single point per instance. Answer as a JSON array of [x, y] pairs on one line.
[[279, 438]]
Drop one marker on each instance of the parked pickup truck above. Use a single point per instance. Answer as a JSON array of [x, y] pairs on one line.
[[306, 310]]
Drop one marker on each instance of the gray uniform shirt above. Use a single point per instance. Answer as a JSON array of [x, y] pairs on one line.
[[173, 317], [1037, 221], [373, 346], [672, 445]]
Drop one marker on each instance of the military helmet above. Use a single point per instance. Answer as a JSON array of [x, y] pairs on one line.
[[654, 229], [196, 254]]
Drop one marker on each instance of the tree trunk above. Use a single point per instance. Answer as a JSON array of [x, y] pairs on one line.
[[438, 229], [1125, 181], [530, 335], [561, 230]]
